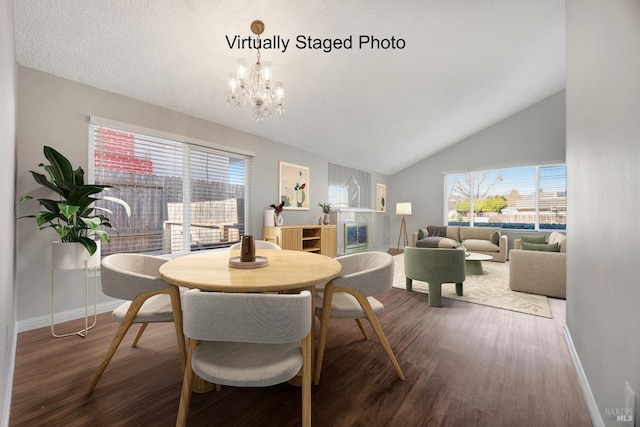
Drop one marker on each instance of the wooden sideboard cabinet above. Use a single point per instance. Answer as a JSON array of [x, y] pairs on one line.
[[309, 238]]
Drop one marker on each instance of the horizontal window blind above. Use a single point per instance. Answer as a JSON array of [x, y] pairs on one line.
[[529, 197], [183, 196], [553, 196]]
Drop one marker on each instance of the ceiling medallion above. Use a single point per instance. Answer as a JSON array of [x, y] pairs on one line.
[[257, 88]]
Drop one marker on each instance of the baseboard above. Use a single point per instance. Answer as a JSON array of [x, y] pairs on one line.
[[590, 400], [64, 316]]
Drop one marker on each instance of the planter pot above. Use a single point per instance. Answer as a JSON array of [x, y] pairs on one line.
[[72, 256]]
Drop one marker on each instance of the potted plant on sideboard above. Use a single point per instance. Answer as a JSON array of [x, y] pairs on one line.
[[73, 214]]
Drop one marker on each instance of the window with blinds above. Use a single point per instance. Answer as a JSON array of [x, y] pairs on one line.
[[530, 197], [183, 197]]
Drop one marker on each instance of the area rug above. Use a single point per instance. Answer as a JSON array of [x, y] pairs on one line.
[[490, 288]]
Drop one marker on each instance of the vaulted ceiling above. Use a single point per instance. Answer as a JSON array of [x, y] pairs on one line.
[[458, 66]]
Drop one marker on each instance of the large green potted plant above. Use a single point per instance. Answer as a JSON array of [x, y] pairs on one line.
[[72, 214]]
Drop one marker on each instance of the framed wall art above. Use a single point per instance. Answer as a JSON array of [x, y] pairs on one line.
[[293, 186], [381, 197]]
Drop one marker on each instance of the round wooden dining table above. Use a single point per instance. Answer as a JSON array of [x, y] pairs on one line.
[[284, 271]]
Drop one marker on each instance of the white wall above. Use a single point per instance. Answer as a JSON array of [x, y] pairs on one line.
[[7, 216], [603, 157], [54, 111], [535, 135]]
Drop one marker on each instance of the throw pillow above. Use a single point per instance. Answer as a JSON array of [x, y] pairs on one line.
[[540, 247], [495, 237], [422, 233], [533, 239]]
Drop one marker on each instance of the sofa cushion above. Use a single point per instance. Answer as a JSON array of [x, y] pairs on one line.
[[422, 233], [554, 247], [495, 237], [453, 232], [560, 239], [541, 238], [448, 243], [437, 230], [478, 233], [439, 242], [477, 245]]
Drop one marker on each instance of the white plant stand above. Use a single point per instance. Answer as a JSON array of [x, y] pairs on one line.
[[73, 256]]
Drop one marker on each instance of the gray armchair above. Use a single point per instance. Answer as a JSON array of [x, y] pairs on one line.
[[435, 266]]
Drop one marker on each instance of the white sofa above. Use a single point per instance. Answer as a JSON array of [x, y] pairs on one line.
[[475, 239]]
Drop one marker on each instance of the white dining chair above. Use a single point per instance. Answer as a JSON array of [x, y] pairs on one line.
[[259, 244], [350, 296], [135, 278], [247, 340]]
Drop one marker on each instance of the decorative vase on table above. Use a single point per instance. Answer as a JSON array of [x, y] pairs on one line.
[[326, 210], [279, 220], [269, 218]]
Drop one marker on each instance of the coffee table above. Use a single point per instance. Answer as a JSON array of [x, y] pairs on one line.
[[474, 263]]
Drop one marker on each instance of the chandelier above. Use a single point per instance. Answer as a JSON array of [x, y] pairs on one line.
[[264, 96]]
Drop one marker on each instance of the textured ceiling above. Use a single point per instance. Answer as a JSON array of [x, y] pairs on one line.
[[466, 64]]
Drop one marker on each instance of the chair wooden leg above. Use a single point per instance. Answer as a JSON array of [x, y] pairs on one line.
[[324, 325], [140, 332], [185, 394], [176, 308], [117, 339], [364, 333], [435, 294], [307, 349], [375, 324]]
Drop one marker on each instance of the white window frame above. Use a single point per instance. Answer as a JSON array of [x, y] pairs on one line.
[[471, 202], [97, 121]]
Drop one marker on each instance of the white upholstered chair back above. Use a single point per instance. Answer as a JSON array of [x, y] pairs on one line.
[[126, 276], [368, 272], [259, 244], [253, 318]]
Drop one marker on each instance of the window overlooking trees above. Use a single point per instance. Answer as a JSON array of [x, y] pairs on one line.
[[183, 196], [530, 197]]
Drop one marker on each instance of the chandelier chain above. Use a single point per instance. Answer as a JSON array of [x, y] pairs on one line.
[[259, 44]]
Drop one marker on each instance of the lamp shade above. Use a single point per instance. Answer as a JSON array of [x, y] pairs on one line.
[[403, 208]]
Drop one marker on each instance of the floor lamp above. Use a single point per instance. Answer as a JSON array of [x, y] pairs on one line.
[[403, 209]]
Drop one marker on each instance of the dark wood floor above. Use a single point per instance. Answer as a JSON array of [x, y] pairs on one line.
[[465, 364]]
